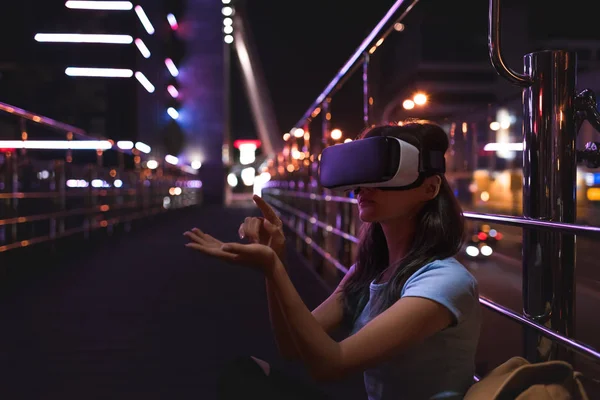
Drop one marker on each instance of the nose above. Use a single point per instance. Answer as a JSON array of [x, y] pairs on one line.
[[359, 189]]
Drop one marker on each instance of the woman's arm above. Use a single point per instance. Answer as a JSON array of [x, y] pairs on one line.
[[283, 334], [411, 319], [329, 315], [327, 359]]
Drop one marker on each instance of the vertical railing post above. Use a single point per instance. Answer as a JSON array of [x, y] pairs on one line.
[[549, 172], [323, 206], [366, 91], [549, 186], [15, 188]]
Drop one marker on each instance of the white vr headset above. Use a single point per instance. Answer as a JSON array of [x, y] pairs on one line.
[[384, 162]]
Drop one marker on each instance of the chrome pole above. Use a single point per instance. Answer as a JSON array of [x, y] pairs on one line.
[[549, 186], [366, 91], [549, 171]]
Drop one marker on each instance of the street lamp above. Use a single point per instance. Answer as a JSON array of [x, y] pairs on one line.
[[336, 134], [420, 99]]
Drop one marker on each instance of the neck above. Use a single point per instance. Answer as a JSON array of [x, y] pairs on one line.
[[399, 236]]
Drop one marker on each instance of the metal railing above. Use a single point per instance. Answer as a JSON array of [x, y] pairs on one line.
[[49, 191], [325, 224], [291, 216]]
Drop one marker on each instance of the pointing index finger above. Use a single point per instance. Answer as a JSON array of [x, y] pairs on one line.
[[266, 210]]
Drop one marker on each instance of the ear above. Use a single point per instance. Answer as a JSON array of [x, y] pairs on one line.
[[432, 186]]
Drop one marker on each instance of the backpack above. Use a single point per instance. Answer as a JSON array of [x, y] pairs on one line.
[[517, 379]]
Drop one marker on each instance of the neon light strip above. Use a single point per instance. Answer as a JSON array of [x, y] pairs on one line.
[[173, 113], [143, 147], [144, 20], [82, 38], [125, 144], [173, 22], [173, 91], [99, 5], [171, 67], [142, 48], [171, 159], [145, 82], [503, 147], [99, 72], [56, 144]]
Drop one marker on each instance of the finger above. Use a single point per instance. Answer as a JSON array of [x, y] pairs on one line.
[[206, 236], [250, 229], [272, 228], [236, 248], [213, 251], [196, 238], [254, 229], [267, 211]]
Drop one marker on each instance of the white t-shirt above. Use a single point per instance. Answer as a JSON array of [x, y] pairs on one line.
[[441, 367]]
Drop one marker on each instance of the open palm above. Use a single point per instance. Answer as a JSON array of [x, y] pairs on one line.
[[253, 255]]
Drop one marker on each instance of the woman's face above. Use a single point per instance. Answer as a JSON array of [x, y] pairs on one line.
[[376, 205]]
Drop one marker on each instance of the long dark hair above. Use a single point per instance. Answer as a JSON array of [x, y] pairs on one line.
[[438, 234]]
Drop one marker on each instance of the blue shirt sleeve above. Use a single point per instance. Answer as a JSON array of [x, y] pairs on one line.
[[446, 282]]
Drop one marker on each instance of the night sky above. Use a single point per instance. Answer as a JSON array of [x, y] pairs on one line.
[[302, 44]]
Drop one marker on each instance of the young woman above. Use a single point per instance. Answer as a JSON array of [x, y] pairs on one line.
[[412, 309]]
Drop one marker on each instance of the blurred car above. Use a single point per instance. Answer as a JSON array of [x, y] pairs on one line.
[[483, 242]]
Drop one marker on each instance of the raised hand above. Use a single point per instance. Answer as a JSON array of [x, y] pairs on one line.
[[253, 255], [266, 230]]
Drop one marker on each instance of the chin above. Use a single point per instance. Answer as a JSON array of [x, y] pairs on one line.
[[366, 216]]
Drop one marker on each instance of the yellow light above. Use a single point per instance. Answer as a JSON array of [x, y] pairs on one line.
[[593, 194], [420, 99]]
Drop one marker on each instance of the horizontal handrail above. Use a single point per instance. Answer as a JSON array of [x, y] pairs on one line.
[[69, 213], [38, 119], [567, 342], [381, 31], [93, 226], [312, 243], [535, 223], [312, 220], [521, 222], [77, 132], [71, 192], [312, 196]]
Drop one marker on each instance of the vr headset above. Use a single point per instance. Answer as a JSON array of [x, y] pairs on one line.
[[384, 162]]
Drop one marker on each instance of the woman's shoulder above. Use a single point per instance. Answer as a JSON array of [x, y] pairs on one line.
[[445, 271], [447, 282]]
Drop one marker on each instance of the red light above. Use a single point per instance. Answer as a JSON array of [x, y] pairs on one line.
[[498, 236], [482, 235], [240, 142]]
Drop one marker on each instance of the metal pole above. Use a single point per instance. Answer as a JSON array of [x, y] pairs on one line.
[[549, 188], [227, 150], [320, 209], [366, 91]]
